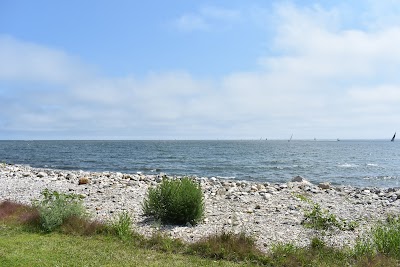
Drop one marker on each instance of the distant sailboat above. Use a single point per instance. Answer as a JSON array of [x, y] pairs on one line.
[[290, 138], [394, 136]]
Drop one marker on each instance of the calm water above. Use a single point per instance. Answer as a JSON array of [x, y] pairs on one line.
[[357, 163]]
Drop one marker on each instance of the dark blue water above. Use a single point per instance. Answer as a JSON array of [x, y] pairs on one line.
[[357, 163]]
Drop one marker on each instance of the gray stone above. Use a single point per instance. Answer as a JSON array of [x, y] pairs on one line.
[[41, 174], [324, 185], [283, 186], [298, 179], [70, 176], [267, 196]]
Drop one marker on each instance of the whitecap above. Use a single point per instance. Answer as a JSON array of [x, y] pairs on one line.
[[226, 177], [372, 165], [347, 165]]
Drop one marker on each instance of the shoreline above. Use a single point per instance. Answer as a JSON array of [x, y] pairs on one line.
[[270, 212]]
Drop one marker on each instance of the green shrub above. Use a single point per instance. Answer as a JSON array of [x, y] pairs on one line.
[[175, 201], [55, 208]]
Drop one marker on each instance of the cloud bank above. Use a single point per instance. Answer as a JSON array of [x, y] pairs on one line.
[[323, 80]]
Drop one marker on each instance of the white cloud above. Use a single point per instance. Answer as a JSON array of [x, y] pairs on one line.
[[323, 80], [379, 95], [207, 18], [25, 61]]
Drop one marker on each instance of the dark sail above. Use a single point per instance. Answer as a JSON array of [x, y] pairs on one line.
[[394, 136]]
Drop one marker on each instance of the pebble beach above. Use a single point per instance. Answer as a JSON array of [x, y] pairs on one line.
[[270, 212]]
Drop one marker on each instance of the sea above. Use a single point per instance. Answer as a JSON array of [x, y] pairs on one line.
[[360, 163]]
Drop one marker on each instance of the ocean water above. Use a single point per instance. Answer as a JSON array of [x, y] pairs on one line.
[[356, 163]]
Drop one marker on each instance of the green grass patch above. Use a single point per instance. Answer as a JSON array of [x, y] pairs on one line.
[[81, 242], [55, 249]]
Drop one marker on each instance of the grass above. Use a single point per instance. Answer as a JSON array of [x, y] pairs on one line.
[[81, 242], [55, 249], [318, 254], [230, 246], [122, 226], [383, 239]]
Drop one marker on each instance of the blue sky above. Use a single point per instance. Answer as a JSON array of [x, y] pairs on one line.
[[199, 69]]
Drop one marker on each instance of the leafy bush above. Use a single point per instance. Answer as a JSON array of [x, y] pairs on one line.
[[55, 208], [175, 201]]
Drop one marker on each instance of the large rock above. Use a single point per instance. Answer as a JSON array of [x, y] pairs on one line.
[[83, 180], [324, 185], [41, 174], [70, 176], [298, 179]]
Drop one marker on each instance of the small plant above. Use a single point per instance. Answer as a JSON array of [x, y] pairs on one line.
[[175, 201], [122, 226], [302, 197], [55, 208], [320, 219], [317, 243]]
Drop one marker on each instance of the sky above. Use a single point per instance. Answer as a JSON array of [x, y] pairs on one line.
[[199, 69]]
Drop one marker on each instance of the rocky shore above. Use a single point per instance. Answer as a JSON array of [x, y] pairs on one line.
[[271, 213]]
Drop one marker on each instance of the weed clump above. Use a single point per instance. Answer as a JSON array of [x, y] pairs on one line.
[[55, 208], [175, 201], [228, 246], [383, 239], [320, 219], [121, 227], [13, 212]]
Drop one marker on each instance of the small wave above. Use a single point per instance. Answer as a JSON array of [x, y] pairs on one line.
[[372, 165], [347, 165], [226, 177], [381, 178]]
